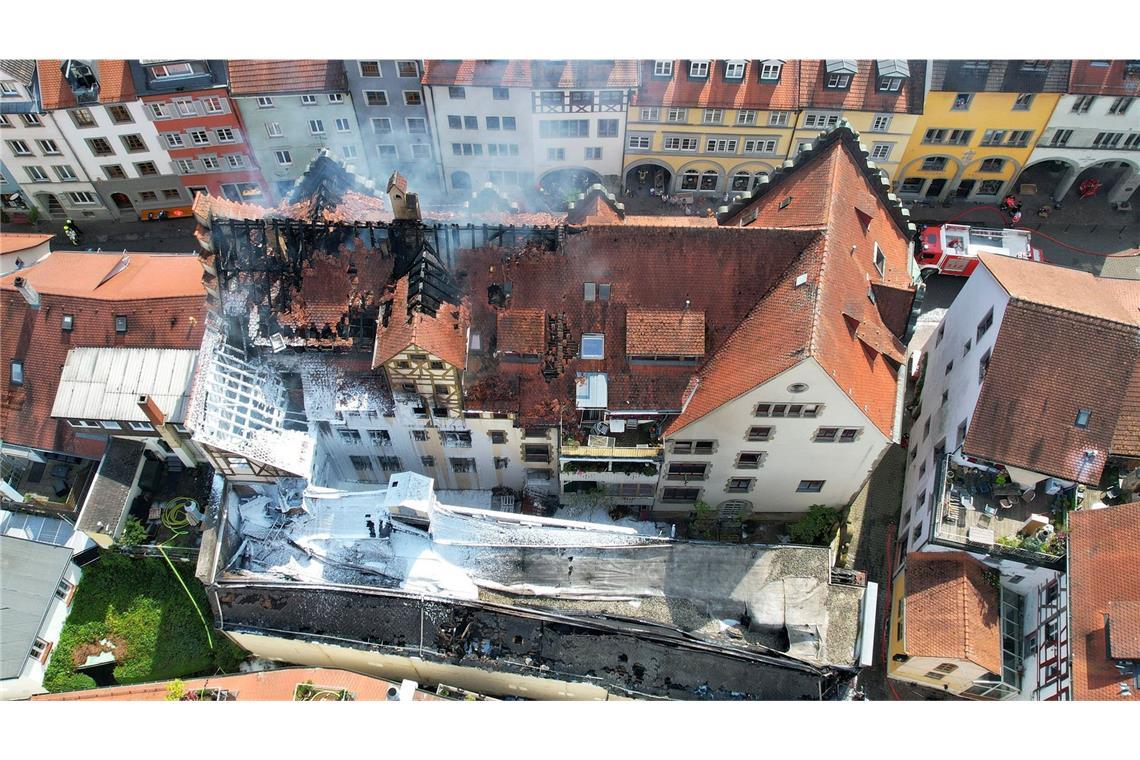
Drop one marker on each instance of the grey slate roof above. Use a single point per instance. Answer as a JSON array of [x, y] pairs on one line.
[[29, 574], [107, 497], [24, 70]]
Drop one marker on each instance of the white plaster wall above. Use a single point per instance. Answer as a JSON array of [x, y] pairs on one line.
[[1085, 127], [960, 323], [410, 451], [17, 164], [575, 147], [480, 103], [31, 680], [792, 455], [28, 256], [112, 133]]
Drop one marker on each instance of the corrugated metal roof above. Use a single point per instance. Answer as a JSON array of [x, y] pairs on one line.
[[591, 391], [29, 574], [105, 383]]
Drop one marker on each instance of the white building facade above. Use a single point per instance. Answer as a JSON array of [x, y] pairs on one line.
[[794, 441]]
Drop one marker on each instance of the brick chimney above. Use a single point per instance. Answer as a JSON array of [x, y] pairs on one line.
[[405, 205], [153, 414], [28, 292]]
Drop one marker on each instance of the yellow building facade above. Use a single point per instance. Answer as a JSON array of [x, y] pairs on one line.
[[724, 129], [973, 145]]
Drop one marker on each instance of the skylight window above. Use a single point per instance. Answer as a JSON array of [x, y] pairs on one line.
[[68, 322], [593, 346], [1083, 416], [17, 374], [120, 324]]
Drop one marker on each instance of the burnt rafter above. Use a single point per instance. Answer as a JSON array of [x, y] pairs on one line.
[[430, 284]]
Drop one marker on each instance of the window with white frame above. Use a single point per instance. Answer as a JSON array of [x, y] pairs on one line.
[[649, 114], [593, 346], [199, 137], [376, 97], [880, 261], [235, 160], [273, 129], [184, 165], [457, 93], [31, 120], [555, 154], [308, 100], [760, 145], [37, 174], [593, 154], [713, 145], [348, 151], [407, 69], [284, 157], [770, 71], [49, 147], [778, 118], [83, 198], [369, 68], [210, 162], [212, 105], [698, 69], [662, 68], [381, 125], [388, 151], [713, 115], [336, 97], [680, 143], [677, 115], [1120, 106], [838, 81], [159, 110], [19, 147], [224, 135], [639, 142], [821, 120], [746, 117], [316, 127], [342, 125], [8, 88], [264, 102], [881, 151], [65, 173], [140, 427], [186, 108], [173, 139], [734, 70], [881, 123]]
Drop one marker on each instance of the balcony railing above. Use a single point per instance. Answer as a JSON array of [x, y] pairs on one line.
[[612, 452]]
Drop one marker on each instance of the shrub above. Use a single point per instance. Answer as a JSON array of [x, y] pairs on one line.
[[816, 527], [134, 533]]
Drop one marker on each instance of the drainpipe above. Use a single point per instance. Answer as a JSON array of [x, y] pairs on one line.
[[429, 91]]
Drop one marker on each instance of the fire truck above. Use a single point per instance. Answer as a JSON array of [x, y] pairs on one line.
[[954, 248]]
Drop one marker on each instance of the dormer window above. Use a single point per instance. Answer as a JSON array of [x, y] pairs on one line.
[[734, 70], [839, 72], [662, 68], [699, 69], [892, 73], [593, 346], [770, 71]]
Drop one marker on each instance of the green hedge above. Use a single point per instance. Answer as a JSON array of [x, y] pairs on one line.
[[140, 602]]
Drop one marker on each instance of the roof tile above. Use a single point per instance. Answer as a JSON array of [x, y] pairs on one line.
[[263, 77]]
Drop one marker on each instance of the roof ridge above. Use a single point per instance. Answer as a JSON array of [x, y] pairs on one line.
[[1128, 326]]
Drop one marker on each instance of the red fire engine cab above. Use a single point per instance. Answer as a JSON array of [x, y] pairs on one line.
[[954, 248]]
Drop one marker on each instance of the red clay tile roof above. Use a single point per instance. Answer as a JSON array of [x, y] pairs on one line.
[[536, 74], [1078, 292], [444, 335], [14, 242], [800, 86], [1088, 79], [1055, 312], [664, 332], [647, 268], [1102, 570], [264, 686], [521, 331], [952, 609], [826, 188], [1124, 630], [260, 77], [164, 305], [115, 84]]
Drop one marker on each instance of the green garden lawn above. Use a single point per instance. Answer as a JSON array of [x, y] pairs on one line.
[[139, 605]]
